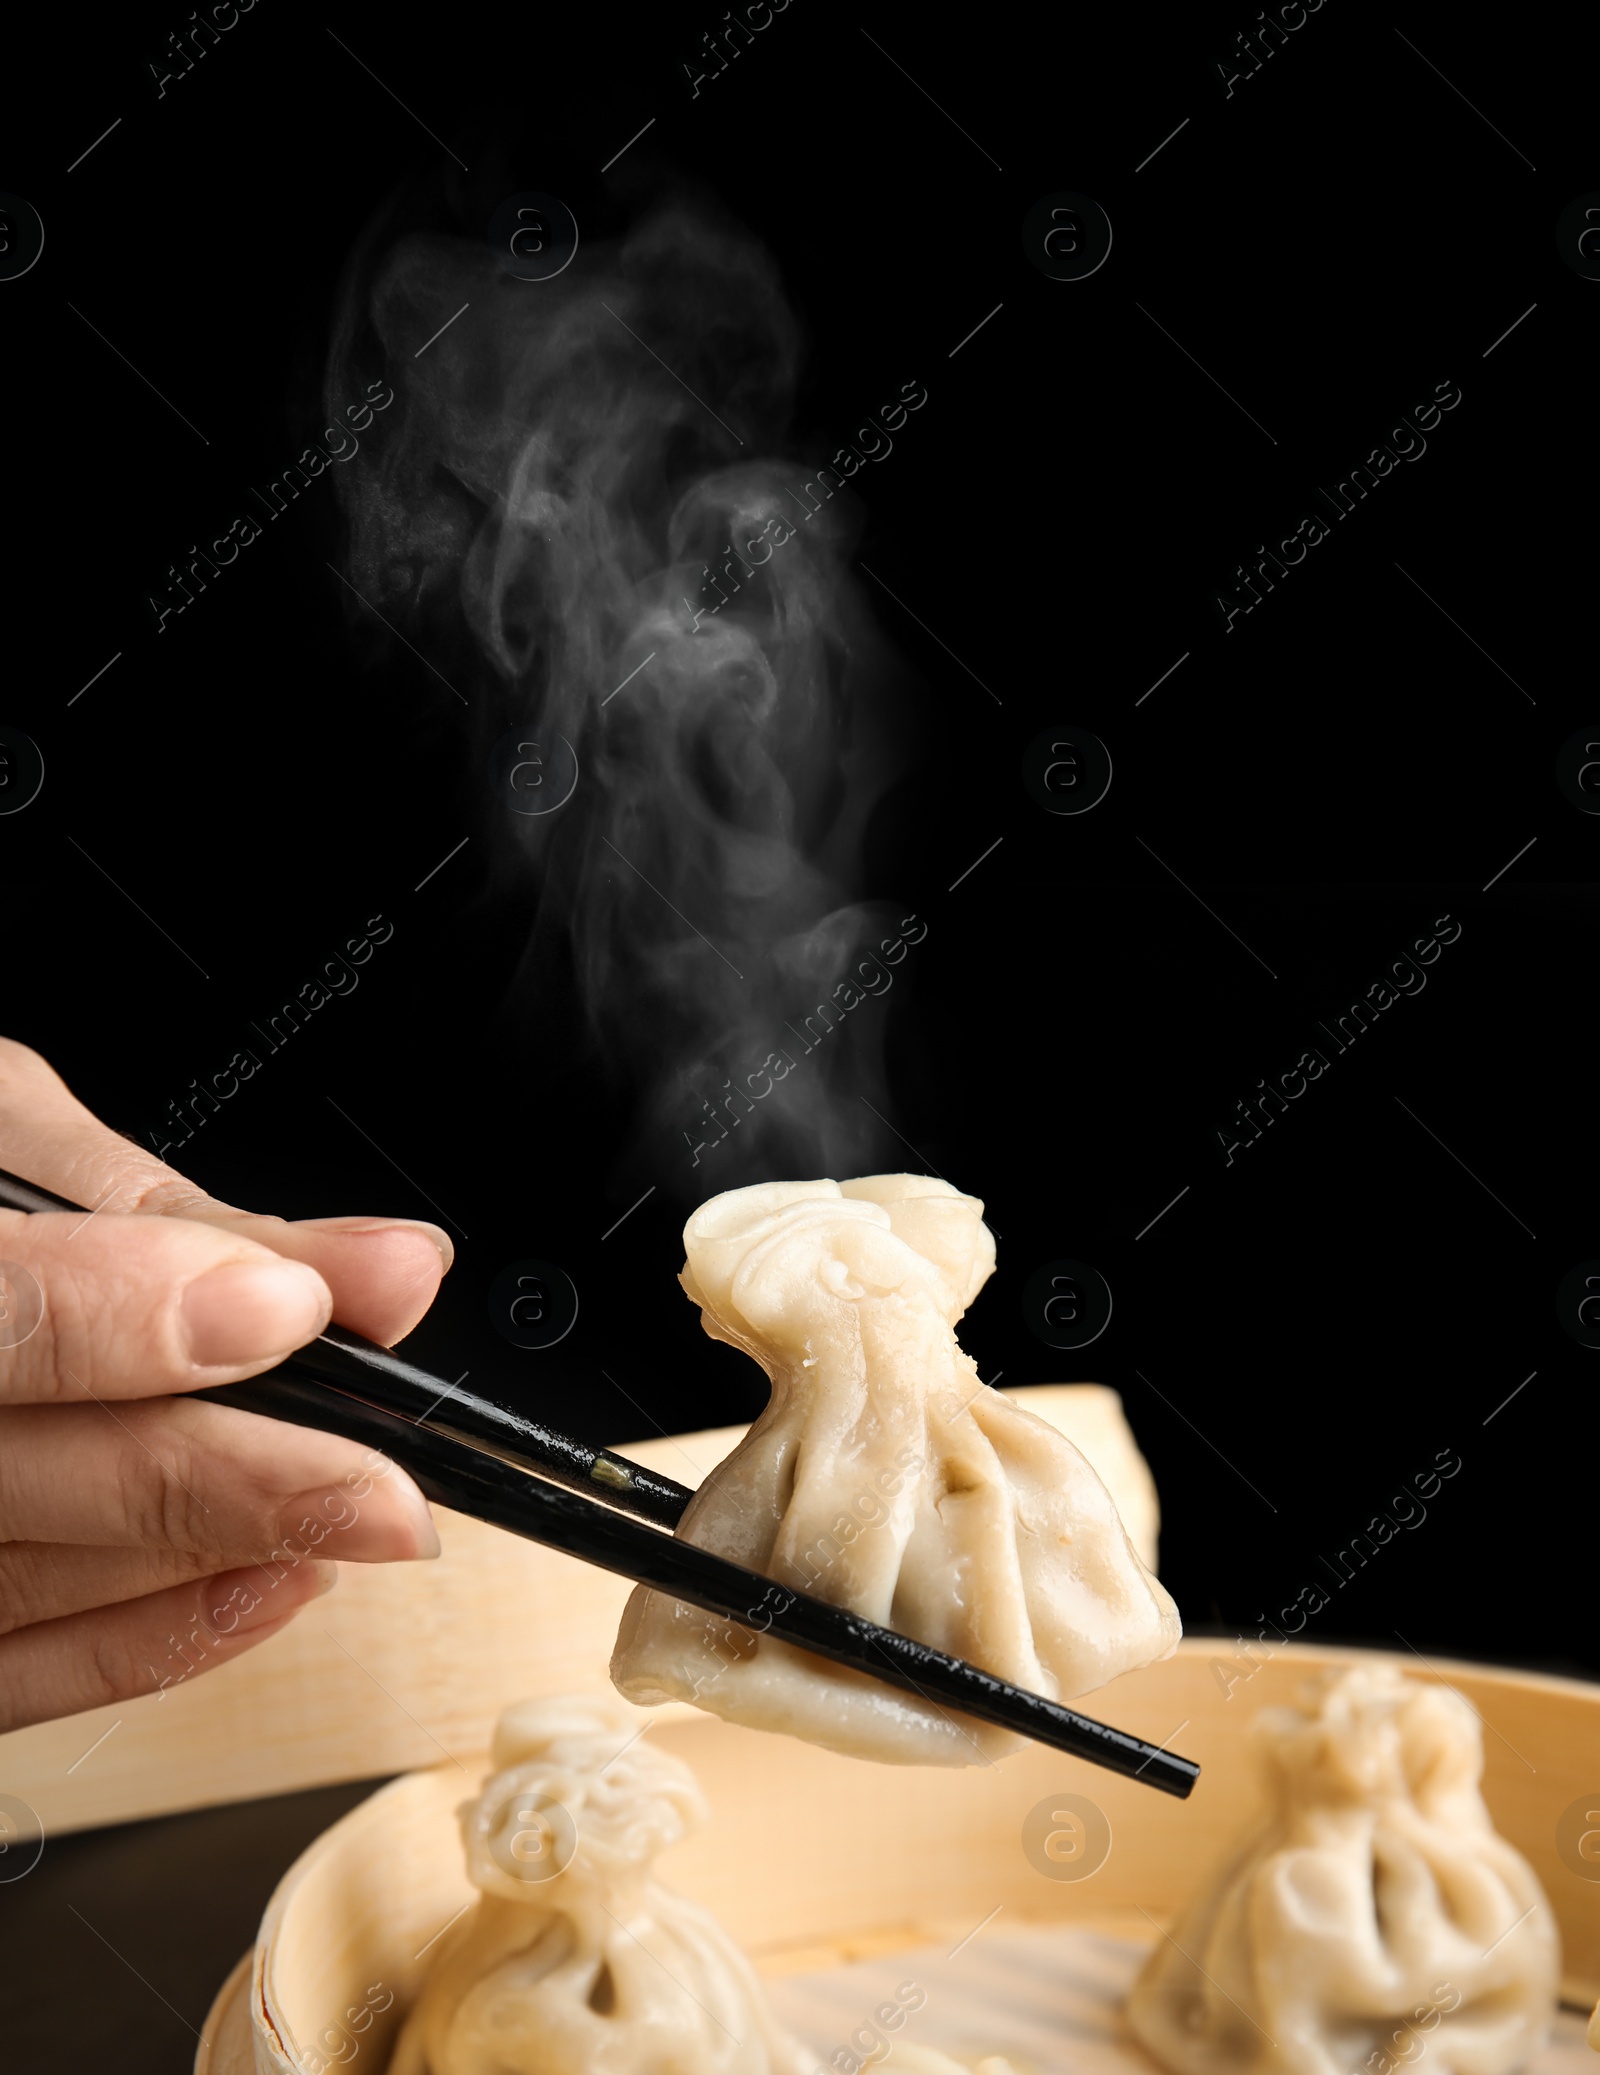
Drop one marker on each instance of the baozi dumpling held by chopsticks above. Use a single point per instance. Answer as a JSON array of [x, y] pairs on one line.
[[885, 1478], [1374, 1917]]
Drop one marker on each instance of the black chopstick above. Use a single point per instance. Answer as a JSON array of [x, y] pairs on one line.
[[454, 1473], [453, 1470], [360, 1368]]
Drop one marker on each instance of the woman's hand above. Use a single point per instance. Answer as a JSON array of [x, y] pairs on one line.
[[144, 1537]]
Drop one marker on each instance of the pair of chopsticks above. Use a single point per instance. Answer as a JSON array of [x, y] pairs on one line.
[[483, 1457]]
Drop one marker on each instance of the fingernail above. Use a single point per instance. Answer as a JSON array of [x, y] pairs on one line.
[[253, 1310], [355, 1228], [327, 1575]]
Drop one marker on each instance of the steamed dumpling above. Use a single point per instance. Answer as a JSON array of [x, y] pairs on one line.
[[575, 1961], [1375, 1914], [1092, 1418], [883, 1477]]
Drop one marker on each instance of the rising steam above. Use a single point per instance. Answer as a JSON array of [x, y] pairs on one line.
[[577, 477]]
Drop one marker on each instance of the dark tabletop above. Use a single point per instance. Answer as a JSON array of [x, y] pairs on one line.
[[113, 1945]]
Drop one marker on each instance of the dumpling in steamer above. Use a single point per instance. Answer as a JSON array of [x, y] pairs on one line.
[[1373, 1918], [575, 1961], [884, 1477]]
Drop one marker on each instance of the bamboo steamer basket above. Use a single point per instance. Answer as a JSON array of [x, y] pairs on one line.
[[814, 1860]]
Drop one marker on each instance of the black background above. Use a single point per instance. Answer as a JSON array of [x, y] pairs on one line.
[[1306, 1328]]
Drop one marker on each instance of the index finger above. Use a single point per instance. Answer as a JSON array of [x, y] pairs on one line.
[[383, 1272]]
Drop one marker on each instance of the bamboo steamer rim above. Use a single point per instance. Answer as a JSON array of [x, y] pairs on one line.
[[246, 2033]]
